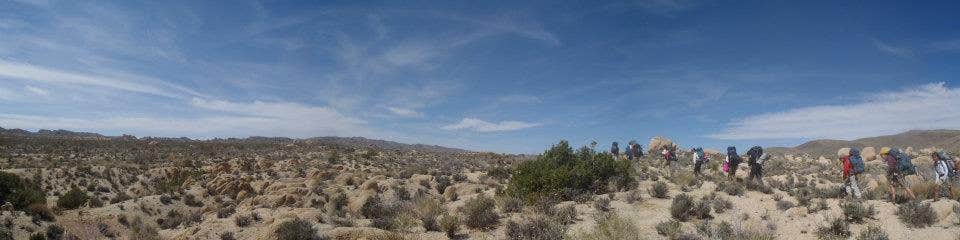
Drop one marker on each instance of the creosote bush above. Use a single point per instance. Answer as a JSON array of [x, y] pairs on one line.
[[73, 199], [561, 168], [611, 226], [20, 192], [685, 208], [535, 228], [450, 225], [671, 229], [873, 232], [837, 228]]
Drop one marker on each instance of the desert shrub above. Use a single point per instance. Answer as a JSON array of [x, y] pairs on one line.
[[671, 229], [836, 229], [508, 204], [721, 204], [924, 189], [611, 226], [226, 211], [499, 173], [602, 204], [820, 206], [54, 232], [450, 225], [73, 199], [659, 190], [191, 200], [565, 214], [242, 220], [142, 230], [120, 197], [95, 202], [295, 229], [40, 212], [20, 192], [783, 205], [227, 236], [732, 188], [873, 232], [479, 213], [633, 196], [37, 236], [172, 220], [535, 228], [916, 214], [165, 199], [6, 234], [427, 210], [685, 207], [560, 167], [856, 212], [384, 214]]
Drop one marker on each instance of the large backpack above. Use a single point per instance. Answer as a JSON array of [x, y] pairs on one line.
[[856, 161], [733, 156], [904, 163], [951, 165], [701, 157], [755, 153]]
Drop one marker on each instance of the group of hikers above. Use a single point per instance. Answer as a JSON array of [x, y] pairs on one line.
[[899, 165]]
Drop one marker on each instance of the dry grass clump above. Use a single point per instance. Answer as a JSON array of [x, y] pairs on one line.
[[856, 212], [732, 188], [916, 214], [685, 207], [602, 204], [836, 228], [873, 232], [671, 229], [479, 213], [450, 225], [659, 190], [611, 226], [508, 204], [535, 228]]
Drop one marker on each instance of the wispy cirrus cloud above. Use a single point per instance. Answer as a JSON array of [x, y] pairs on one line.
[[478, 125], [28, 72], [930, 106], [404, 112], [902, 52]]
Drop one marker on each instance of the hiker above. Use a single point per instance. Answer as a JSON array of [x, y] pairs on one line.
[[668, 157], [615, 150], [756, 171], [637, 150], [699, 158], [945, 168], [629, 150], [852, 165], [894, 173], [731, 162]]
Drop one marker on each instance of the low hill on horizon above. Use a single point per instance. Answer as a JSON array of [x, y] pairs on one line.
[[942, 138]]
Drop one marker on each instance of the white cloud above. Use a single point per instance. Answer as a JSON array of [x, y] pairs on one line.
[[478, 125], [56, 76], [37, 91], [404, 112], [893, 50], [230, 119], [931, 106]]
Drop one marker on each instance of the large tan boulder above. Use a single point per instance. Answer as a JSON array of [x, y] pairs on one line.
[[658, 143], [868, 153], [843, 152]]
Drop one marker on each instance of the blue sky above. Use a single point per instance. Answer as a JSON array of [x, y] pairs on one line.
[[502, 76]]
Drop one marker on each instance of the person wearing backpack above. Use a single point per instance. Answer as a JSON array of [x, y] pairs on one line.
[[629, 150], [699, 158], [894, 173], [756, 170], [615, 151], [852, 166], [942, 165], [731, 161]]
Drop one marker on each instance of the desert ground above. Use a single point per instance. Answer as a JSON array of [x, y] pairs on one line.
[[74, 186]]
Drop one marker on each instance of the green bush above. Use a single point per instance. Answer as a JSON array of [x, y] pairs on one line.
[[659, 190], [73, 199], [450, 225], [561, 168], [685, 207], [535, 228], [671, 229], [20, 192]]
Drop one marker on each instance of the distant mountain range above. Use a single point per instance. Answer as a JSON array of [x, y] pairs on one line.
[[918, 139], [340, 141]]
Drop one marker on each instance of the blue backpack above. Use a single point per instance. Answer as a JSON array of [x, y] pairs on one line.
[[904, 163], [856, 161], [699, 151]]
